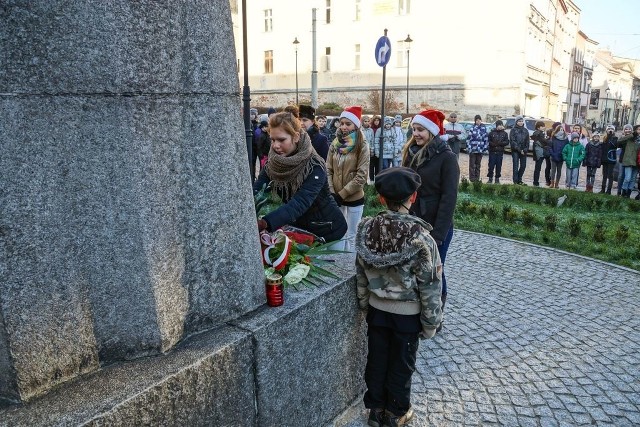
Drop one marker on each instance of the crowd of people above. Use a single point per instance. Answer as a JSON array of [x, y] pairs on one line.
[[320, 174], [618, 158], [401, 259]]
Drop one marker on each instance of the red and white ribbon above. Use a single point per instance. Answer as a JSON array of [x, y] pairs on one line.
[[281, 261]]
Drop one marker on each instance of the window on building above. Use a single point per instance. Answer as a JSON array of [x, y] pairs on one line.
[[328, 15], [357, 10], [356, 65], [404, 7], [268, 21], [402, 53], [268, 61], [327, 59]]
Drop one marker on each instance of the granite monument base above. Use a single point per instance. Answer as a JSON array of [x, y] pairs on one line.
[[298, 364]]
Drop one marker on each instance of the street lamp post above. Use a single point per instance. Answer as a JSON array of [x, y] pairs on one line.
[[246, 91], [408, 41], [295, 44]]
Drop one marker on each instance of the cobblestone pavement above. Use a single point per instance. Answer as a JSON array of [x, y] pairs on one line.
[[532, 337], [507, 173]]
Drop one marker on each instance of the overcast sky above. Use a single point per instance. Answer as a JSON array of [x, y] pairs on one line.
[[614, 24]]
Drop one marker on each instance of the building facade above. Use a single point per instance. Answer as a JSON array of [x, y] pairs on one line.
[[497, 58]]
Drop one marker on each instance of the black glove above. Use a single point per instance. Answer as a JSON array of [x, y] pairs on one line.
[[338, 199]]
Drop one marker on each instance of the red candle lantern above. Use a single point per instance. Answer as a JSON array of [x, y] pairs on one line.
[[275, 290]]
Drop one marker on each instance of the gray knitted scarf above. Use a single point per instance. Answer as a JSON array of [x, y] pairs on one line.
[[287, 173]]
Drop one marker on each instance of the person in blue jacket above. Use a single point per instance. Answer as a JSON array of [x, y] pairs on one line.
[[296, 172]]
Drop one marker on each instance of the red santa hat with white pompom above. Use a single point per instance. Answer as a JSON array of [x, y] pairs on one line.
[[431, 120], [353, 113]]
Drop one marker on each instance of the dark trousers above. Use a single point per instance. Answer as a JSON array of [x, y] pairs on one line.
[[536, 171], [519, 165], [442, 250], [475, 159], [495, 162], [591, 175], [390, 363], [607, 176], [547, 170], [373, 167]]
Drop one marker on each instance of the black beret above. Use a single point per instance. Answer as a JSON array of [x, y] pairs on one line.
[[307, 111], [397, 184]]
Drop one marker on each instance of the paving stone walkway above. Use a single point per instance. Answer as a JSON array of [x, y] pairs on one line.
[[532, 337]]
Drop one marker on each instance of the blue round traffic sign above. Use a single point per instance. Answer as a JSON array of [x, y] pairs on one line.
[[383, 51]]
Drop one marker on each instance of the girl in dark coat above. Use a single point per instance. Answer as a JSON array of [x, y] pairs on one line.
[[592, 160], [609, 155], [429, 155], [558, 140], [299, 176]]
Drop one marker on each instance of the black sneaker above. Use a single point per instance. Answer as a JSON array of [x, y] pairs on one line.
[[391, 420], [376, 417]]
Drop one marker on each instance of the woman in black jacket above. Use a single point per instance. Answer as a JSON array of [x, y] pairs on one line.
[[429, 155], [299, 176], [609, 156]]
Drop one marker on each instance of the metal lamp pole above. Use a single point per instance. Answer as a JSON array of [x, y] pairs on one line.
[[408, 40], [246, 91], [295, 44]]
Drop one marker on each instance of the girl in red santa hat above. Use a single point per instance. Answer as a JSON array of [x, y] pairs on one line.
[[428, 153], [347, 170]]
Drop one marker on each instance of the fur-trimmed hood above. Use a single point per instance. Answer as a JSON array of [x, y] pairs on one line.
[[391, 238]]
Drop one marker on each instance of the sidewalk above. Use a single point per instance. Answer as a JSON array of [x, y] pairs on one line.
[[551, 341]]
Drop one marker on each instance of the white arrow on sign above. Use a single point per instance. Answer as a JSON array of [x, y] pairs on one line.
[[382, 53]]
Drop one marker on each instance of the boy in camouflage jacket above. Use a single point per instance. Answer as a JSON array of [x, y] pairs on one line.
[[398, 272]]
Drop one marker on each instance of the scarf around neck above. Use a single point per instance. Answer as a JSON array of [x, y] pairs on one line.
[[344, 144], [417, 155], [287, 173]]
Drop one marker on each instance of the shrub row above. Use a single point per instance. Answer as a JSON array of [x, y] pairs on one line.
[[573, 226], [549, 197]]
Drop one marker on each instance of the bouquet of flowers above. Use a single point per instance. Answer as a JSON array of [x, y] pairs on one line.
[[296, 255]]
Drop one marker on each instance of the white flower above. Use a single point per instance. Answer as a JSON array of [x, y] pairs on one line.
[[297, 273]]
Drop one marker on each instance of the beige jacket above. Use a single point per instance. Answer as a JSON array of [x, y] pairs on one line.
[[347, 174]]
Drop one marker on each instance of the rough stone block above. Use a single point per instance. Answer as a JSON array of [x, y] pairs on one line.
[[206, 381], [310, 353], [126, 216], [117, 47]]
